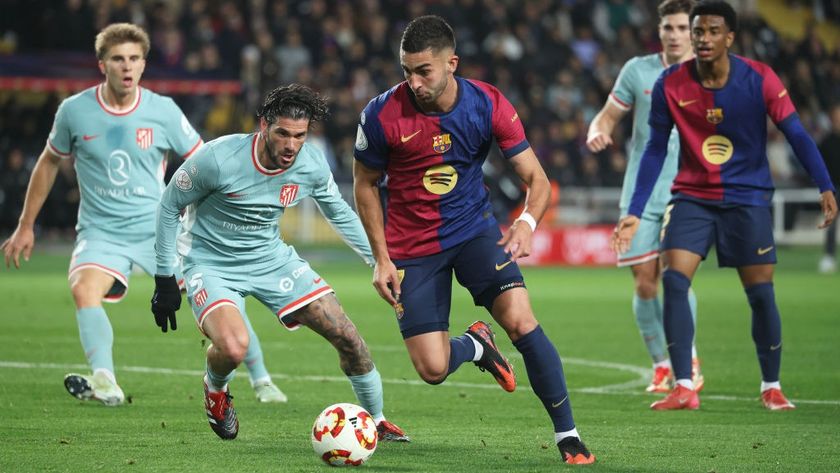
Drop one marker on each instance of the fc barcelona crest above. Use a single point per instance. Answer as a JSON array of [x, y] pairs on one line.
[[714, 115], [441, 143], [145, 138], [287, 194]]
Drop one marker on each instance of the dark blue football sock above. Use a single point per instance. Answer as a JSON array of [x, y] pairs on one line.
[[545, 372], [461, 349], [766, 329], [679, 325]]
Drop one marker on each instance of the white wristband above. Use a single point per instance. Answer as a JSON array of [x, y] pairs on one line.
[[529, 219]]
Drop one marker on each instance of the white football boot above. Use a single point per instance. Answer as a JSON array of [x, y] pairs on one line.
[[99, 386], [266, 391]]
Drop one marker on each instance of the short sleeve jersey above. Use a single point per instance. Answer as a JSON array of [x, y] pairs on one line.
[[633, 90], [120, 157], [436, 197]]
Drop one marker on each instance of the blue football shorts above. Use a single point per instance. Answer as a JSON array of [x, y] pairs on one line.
[[283, 285], [742, 234], [479, 264], [117, 259]]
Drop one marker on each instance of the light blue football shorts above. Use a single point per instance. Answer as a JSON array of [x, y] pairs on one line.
[[645, 244], [116, 259], [283, 286]]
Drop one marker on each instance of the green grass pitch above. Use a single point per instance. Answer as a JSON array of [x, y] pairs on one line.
[[467, 424]]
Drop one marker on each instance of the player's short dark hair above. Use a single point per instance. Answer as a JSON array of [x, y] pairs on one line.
[[119, 33], [717, 8], [294, 101], [427, 32], [672, 7]]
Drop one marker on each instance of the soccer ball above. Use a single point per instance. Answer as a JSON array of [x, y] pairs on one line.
[[344, 434]]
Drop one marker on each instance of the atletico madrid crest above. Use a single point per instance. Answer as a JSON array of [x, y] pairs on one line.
[[200, 297], [287, 194], [441, 143], [145, 138]]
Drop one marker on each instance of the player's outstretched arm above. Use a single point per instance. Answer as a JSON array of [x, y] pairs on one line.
[[385, 278], [599, 136], [828, 203], [623, 234], [40, 184], [517, 239]]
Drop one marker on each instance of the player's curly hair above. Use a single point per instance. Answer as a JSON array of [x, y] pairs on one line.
[[119, 33], [717, 8], [294, 101], [672, 7], [427, 32]]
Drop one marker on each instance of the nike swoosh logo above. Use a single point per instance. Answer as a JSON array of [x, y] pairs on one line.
[[557, 404], [499, 267], [514, 117], [764, 251], [683, 400], [88, 137], [234, 195], [316, 280], [775, 347], [683, 103], [405, 139], [647, 91]]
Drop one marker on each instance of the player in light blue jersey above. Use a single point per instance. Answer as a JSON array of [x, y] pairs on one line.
[[234, 192], [119, 135], [632, 91]]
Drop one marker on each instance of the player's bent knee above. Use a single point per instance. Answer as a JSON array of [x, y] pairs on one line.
[[232, 348], [432, 377]]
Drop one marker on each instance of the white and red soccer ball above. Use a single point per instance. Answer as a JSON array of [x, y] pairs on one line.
[[344, 435]]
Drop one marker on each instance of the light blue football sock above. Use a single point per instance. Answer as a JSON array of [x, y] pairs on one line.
[[649, 320], [97, 337], [254, 357], [368, 389], [218, 382]]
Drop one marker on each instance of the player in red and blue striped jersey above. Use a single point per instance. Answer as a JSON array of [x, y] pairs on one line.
[[429, 136], [723, 189]]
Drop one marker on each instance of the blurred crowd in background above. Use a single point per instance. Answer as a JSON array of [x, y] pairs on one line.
[[555, 60]]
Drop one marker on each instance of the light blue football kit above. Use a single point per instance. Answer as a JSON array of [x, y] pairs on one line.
[[633, 89], [230, 245], [120, 160]]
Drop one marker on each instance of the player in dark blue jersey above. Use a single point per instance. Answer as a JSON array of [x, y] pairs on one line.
[[430, 135], [723, 189]]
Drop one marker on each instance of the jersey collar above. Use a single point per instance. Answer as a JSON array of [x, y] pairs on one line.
[[255, 159], [101, 99]]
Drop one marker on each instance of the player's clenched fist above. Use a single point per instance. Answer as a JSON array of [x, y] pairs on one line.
[[598, 142]]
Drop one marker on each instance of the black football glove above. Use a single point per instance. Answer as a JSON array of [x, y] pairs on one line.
[[166, 301]]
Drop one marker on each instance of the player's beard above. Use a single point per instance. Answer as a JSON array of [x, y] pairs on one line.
[[434, 93], [274, 158]]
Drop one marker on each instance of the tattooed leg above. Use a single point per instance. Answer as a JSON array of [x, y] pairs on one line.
[[326, 317]]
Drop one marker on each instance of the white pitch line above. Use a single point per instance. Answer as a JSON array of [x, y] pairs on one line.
[[608, 390]]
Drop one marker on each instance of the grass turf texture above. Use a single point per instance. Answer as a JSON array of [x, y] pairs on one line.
[[467, 424]]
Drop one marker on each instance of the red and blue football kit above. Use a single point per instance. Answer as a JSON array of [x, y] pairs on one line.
[[436, 193], [723, 189], [439, 221]]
